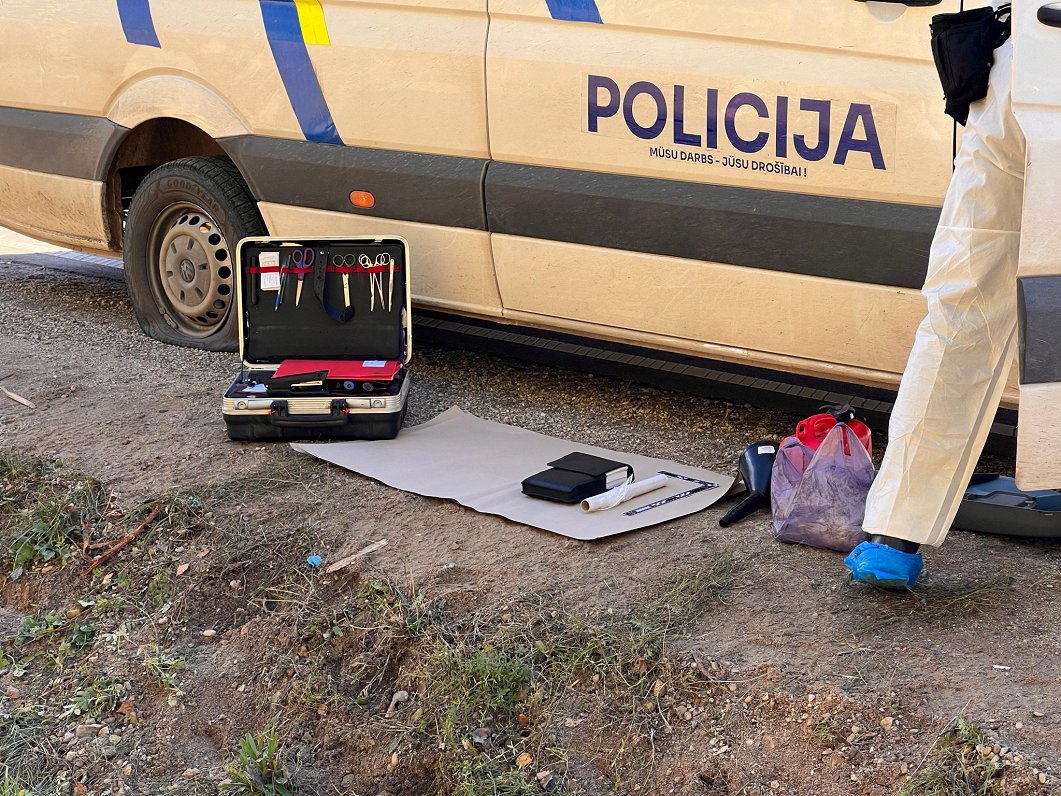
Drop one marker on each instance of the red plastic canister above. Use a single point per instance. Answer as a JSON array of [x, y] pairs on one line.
[[814, 429]]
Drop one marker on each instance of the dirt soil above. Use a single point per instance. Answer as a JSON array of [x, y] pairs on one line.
[[788, 680]]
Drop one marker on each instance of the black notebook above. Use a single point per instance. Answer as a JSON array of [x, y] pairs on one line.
[[575, 477]]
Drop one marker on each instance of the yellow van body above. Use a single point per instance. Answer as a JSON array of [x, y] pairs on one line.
[[753, 182]]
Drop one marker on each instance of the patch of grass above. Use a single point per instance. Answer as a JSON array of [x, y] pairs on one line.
[[508, 674], [952, 603], [956, 768], [199, 787], [259, 768], [28, 754], [160, 589], [408, 611], [42, 511], [102, 695], [41, 634], [33, 629], [165, 669]]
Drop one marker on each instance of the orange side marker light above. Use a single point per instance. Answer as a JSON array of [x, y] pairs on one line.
[[363, 199]]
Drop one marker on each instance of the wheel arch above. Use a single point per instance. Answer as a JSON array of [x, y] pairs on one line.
[[168, 117]]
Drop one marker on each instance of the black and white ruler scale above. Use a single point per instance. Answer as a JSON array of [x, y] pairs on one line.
[[702, 486]]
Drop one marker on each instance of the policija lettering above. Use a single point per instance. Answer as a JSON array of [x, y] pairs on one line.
[[605, 99]]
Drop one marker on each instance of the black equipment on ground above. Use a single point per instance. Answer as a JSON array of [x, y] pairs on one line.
[[756, 465]]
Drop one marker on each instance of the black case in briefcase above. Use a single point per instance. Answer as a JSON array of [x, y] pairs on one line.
[[325, 338]]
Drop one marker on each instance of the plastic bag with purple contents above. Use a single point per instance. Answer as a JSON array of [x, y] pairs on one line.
[[819, 497]]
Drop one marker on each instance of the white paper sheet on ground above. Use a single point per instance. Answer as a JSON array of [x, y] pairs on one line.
[[481, 464]]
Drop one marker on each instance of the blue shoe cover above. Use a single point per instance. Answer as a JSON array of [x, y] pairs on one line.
[[880, 565]]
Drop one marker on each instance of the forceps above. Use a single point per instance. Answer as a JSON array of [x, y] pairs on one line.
[[376, 279]]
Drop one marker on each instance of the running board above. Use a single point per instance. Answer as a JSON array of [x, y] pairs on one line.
[[768, 389]]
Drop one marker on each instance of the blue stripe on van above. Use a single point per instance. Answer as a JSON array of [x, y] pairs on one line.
[[574, 10], [286, 40], [137, 24]]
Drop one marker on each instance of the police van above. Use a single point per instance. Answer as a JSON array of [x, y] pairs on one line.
[[750, 182]]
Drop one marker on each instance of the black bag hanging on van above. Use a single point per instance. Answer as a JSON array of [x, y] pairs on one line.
[[963, 46]]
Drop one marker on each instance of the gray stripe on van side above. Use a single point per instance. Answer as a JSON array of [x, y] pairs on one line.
[[1039, 301], [859, 241], [431, 189], [876, 242], [58, 143]]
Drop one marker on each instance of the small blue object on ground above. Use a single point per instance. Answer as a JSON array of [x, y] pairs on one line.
[[880, 565], [314, 561]]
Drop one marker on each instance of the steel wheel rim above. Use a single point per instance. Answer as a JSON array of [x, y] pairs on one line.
[[190, 269]]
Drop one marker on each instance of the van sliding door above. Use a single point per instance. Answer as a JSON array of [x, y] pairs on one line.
[[700, 175]]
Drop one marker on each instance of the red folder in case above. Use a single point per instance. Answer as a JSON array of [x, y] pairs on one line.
[[356, 370]]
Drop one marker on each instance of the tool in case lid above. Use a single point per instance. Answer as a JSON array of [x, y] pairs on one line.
[[324, 337]]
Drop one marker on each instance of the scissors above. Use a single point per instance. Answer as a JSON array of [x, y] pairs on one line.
[[302, 258]]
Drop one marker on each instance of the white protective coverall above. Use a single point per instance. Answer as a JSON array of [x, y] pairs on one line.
[[964, 349]]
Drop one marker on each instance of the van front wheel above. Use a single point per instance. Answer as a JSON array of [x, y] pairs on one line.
[[180, 243]]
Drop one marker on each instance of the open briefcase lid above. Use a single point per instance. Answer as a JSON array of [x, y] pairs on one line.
[[352, 294]]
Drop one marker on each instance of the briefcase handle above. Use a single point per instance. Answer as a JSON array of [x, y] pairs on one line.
[[280, 417]]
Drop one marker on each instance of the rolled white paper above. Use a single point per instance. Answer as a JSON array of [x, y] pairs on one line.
[[623, 493]]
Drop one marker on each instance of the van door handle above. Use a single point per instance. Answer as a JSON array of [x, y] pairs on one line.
[[1050, 14], [915, 3]]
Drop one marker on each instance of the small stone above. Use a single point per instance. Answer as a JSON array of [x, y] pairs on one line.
[[523, 760], [398, 698], [127, 771], [348, 782], [887, 721], [209, 633], [87, 730], [11, 692], [190, 773], [1019, 725], [1042, 778], [108, 751], [394, 760], [1038, 714], [775, 784]]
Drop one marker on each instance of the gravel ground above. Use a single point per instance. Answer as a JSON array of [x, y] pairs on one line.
[[145, 417]]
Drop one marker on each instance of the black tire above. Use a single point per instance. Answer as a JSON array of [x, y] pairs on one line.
[[180, 243]]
